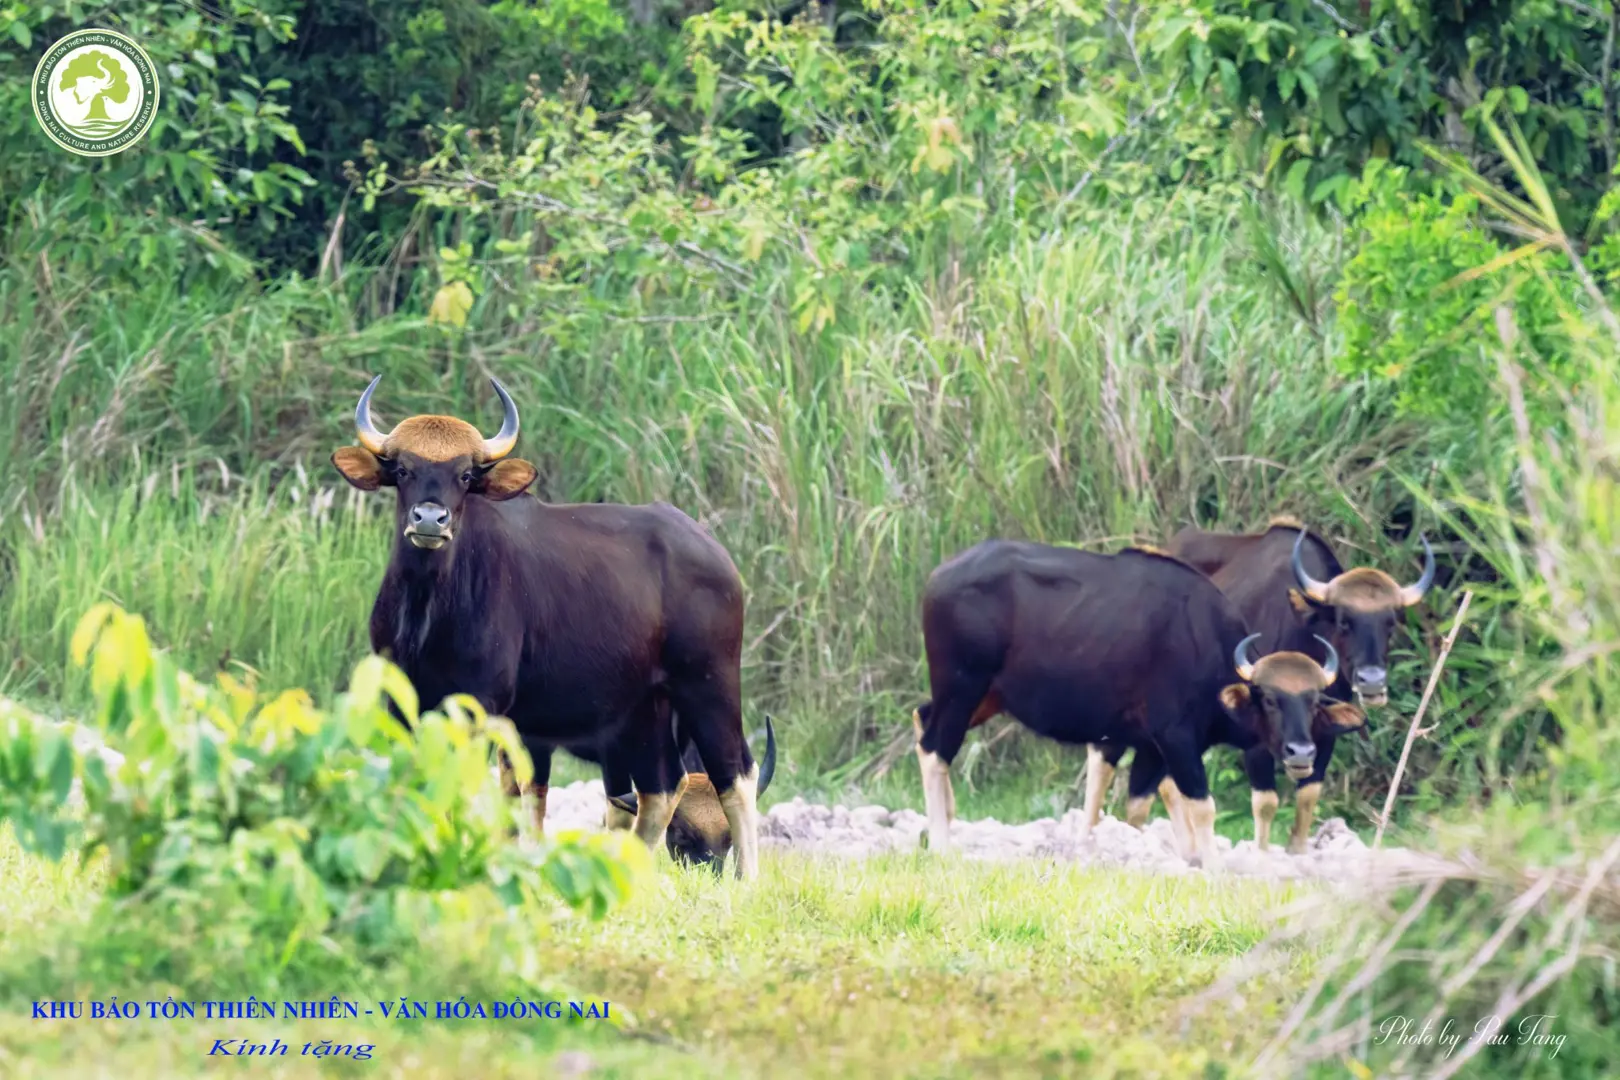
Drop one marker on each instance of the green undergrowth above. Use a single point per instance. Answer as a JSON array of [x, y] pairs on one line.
[[1094, 388], [893, 966]]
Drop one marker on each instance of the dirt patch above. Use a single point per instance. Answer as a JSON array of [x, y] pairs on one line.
[[1335, 852]]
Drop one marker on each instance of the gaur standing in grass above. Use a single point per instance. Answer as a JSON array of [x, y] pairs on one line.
[[1134, 650], [1294, 593], [584, 624]]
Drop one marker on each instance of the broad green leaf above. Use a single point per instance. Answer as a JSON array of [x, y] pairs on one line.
[[1294, 181]]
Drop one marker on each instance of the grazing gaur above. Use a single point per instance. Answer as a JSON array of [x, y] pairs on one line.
[[1291, 589], [584, 624], [1130, 650], [699, 834]]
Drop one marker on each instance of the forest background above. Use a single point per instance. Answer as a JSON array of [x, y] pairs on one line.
[[856, 286]]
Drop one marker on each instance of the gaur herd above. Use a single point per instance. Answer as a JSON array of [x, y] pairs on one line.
[[615, 632]]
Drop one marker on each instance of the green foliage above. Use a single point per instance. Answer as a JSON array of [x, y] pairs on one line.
[[202, 187], [1091, 969], [948, 128], [1314, 91], [1518, 921], [367, 78], [309, 824], [1416, 303]]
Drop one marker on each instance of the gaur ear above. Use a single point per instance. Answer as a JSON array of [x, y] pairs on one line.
[[506, 479], [1236, 700], [1344, 716], [361, 468]]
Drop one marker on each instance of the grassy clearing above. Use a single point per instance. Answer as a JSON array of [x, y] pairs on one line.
[[897, 966], [1102, 387]]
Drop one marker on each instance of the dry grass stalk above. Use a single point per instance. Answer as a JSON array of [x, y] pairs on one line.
[[1417, 718]]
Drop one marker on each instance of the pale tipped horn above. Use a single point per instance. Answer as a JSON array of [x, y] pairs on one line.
[[364, 429], [1316, 590], [1412, 594], [1330, 667], [506, 438], [1240, 658]]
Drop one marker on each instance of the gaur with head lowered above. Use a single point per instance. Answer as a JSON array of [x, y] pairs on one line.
[[1132, 650], [1293, 591], [699, 834], [585, 624]]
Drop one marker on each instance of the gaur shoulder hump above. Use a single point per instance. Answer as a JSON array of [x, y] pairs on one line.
[[1290, 524], [1152, 552]]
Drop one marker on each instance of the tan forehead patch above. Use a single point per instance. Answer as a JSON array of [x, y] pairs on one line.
[[700, 810], [435, 438], [1364, 589], [1284, 521], [1288, 672]]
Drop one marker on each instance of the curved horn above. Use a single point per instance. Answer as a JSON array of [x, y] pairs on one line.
[[506, 438], [1411, 594], [1330, 669], [1240, 658], [768, 769], [1316, 590], [364, 429], [627, 803]]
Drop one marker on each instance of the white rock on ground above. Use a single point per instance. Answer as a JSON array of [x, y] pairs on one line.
[[1335, 852]]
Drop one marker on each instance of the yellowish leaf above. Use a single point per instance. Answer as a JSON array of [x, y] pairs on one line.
[[366, 684], [504, 735], [89, 628], [291, 710], [240, 699], [398, 686], [754, 240], [451, 304]]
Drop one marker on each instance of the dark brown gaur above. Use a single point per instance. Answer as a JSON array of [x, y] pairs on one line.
[[588, 625], [1290, 587], [1130, 650], [699, 834], [1364, 603], [1282, 695]]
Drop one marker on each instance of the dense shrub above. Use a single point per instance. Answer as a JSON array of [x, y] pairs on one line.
[[303, 824], [1416, 304]]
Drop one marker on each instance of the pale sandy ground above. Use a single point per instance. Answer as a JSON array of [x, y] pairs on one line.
[[1335, 851]]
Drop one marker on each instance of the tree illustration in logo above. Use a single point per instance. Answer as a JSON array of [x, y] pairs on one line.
[[97, 78]]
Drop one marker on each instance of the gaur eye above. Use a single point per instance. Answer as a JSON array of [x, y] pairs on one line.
[[467, 478], [401, 474]]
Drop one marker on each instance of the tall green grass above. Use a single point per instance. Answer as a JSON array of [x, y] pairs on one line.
[[1099, 388]]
